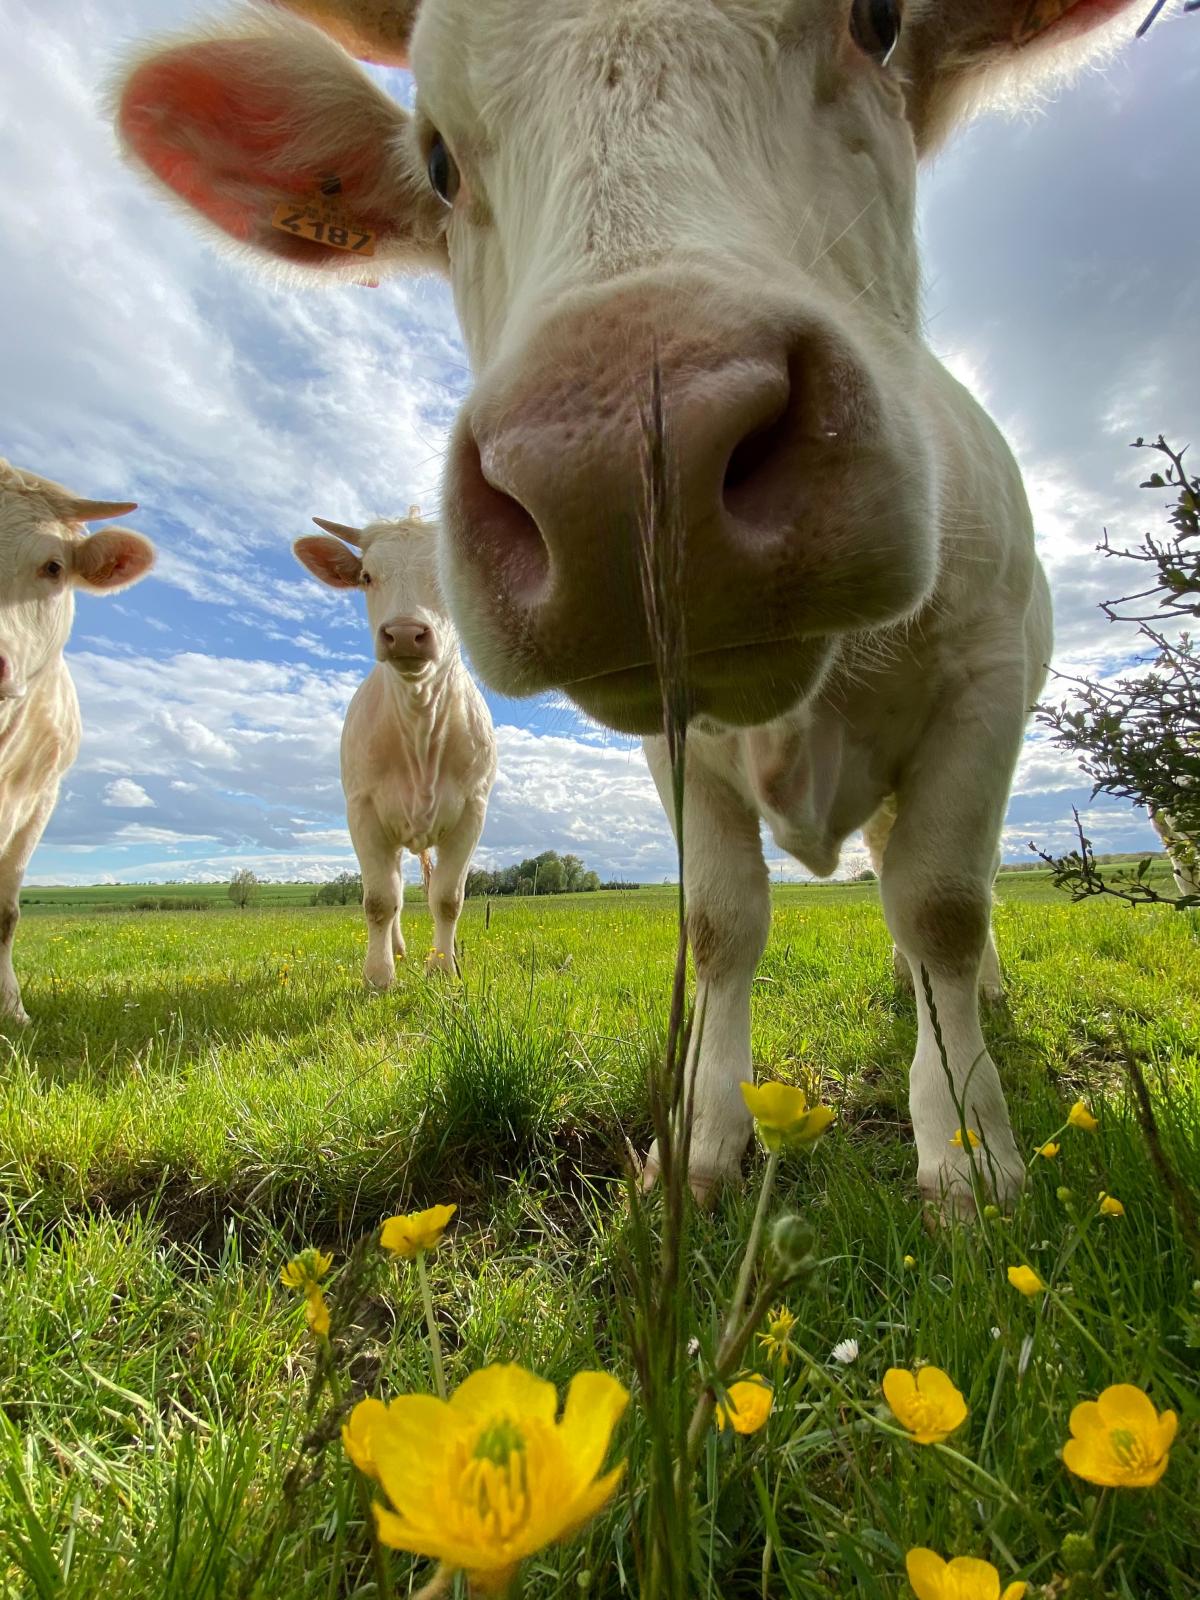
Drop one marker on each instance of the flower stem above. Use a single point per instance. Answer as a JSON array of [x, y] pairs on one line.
[[752, 1244], [383, 1576], [435, 1344]]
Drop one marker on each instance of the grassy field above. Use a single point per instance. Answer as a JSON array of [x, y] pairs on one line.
[[202, 1094]]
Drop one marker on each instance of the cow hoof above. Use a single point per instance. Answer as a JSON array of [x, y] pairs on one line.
[[992, 994], [437, 961], [950, 1194], [380, 981], [16, 1014], [704, 1185]]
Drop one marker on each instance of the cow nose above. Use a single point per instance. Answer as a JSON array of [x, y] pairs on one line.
[[405, 640], [787, 524]]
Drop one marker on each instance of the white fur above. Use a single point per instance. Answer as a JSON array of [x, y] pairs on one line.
[[40, 523], [418, 753]]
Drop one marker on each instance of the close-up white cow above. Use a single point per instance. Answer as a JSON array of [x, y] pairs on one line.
[[45, 555], [725, 189], [418, 748]]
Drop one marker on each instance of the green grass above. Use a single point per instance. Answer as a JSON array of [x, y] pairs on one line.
[[203, 1093]]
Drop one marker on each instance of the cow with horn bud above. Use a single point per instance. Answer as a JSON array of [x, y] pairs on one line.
[[45, 555], [418, 749]]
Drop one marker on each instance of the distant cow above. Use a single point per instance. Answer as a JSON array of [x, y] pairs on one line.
[[725, 189], [44, 555], [418, 750]]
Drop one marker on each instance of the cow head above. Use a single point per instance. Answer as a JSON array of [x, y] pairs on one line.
[[395, 565], [44, 557], [721, 190]]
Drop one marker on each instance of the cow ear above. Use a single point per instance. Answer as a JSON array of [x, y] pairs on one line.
[[111, 559], [372, 30], [272, 135], [329, 560], [956, 57]]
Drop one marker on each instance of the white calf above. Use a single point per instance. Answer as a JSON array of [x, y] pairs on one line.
[[418, 751], [726, 188], [44, 556]]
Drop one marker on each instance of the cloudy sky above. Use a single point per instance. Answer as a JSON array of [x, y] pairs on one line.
[[1061, 284]]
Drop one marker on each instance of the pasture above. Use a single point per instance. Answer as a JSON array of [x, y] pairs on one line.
[[202, 1094]]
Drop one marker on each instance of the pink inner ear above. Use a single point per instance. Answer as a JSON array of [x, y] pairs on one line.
[[201, 120], [113, 559], [329, 560]]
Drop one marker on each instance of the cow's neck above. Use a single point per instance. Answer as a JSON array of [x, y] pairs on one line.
[[420, 704]]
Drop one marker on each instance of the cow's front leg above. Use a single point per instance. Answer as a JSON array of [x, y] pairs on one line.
[[447, 882], [379, 860], [936, 884], [726, 886], [13, 861]]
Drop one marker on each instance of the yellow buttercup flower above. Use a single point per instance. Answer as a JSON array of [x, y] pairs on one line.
[[491, 1476], [747, 1405], [972, 1138], [910, 1261], [305, 1271], [316, 1312], [777, 1341], [1110, 1206], [1025, 1280], [1080, 1117], [783, 1115], [964, 1578], [924, 1402], [408, 1236], [1119, 1441], [356, 1434], [1049, 1150]]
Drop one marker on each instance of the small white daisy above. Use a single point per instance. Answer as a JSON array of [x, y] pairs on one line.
[[845, 1352]]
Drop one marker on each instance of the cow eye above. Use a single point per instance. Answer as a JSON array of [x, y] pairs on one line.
[[366, 580], [51, 569], [875, 27], [443, 174]]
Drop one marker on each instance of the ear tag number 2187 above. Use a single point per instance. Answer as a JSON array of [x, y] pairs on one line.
[[316, 220]]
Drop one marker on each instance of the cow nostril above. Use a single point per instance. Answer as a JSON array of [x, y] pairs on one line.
[[504, 537], [750, 457]]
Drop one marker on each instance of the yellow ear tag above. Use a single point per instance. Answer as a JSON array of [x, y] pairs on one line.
[[321, 219], [1035, 16]]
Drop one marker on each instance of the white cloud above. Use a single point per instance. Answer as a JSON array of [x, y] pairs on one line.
[[139, 833], [126, 794]]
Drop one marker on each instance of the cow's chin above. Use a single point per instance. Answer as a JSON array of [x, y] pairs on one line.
[[739, 687]]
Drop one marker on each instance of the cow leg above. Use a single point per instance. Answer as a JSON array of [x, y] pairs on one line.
[[379, 862], [876, 834], [447, 882], [727, 889], [13, 861], [936, 885]]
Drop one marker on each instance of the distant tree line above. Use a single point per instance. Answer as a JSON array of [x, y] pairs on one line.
[[344, 890], [548, 873]]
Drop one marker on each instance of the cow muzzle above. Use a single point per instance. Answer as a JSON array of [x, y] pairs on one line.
[[797, 515], [406, 643]]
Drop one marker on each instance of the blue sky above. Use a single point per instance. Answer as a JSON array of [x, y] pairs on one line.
[[1061, 285]]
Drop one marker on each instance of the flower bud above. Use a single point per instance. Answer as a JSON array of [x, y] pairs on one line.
[[1078, 1553], [1062, 1194], [990, 1213], [792, 1242]]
